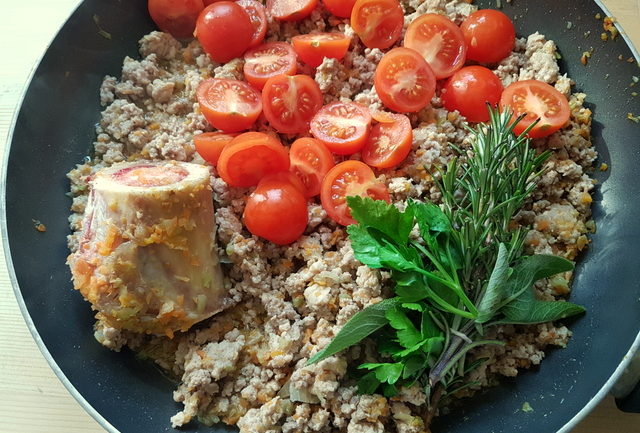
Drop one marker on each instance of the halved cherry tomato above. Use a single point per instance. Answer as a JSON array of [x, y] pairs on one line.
[[537, 100], [489, 35], [251, 156], [404, 81], [224, 30], [389, 143], [209, 145], [310, 161], [349, 178], [291, 10], [342, 126], [291, 102], [258, 17], [177, 17], [314, 47], [277, 210], [469, 90], [229, 105], [439, 41], [378, 23], [340, 8], [208, 2], [269, 60]]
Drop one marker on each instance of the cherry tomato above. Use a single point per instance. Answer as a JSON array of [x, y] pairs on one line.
[[269, 60], [404, 81], [208, 2], [537, 100], [349, 178], [439, 41], [310, 161], [314, 47], [258, 17], [291, 10], [209, 145], [340, 8], [177, 17], [489, 36], [276, 210], [378, 23], [469, 90], [389, 143], [291, 102], [250, 157], [224, 30], [229, 105], [342, 126]]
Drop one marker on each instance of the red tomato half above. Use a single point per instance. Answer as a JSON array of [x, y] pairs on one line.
[[489, 36], [258, 17], [224, 30], [537, 100], [469, 90], [250, 157], [342, 126], [314, 47], [310, 161], [229, 105], [276, 210], [404, 81], [439, 41], [378, 23], [291, 10], [349, 178], [269, 60], [209, 145], [177, 17], [340, 8], [291, 102], [389, 143]]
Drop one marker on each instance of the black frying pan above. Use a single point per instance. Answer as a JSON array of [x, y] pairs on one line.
[[56, 122]]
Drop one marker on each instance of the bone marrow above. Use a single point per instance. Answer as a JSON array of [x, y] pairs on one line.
[[147, 259]]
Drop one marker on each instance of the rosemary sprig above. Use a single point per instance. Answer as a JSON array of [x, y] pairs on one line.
[[466, 273]]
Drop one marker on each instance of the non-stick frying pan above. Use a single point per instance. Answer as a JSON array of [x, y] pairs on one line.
[[57, 120]]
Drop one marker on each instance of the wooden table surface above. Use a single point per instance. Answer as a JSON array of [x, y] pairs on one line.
[[32, 399]]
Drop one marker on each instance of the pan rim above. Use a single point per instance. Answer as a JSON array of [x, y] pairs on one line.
[[570, 425]]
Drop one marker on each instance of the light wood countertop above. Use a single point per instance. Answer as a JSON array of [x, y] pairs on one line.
[[32, 399]]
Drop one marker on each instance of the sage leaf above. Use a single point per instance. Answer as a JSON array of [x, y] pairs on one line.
[[359, 327], [496, 286], [529, 311]]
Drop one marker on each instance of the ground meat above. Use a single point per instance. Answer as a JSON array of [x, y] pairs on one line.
[[247, 365]]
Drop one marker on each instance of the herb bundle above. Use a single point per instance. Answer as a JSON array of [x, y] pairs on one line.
[[463, 273]]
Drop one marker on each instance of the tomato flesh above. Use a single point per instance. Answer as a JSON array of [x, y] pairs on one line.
[[313, 48], [290, 102], [177, 17], [439, 41], [250, 157], [489, 36], [290, 10], [269, 60], [229, 105], [389, 142], [404, 81], [536, 100], [340, 8], [469, 91], [342, 126], [258, 17], [276, 210], [378, 23], [349, 178], [209, 145], [310, 161], [224, 30]]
